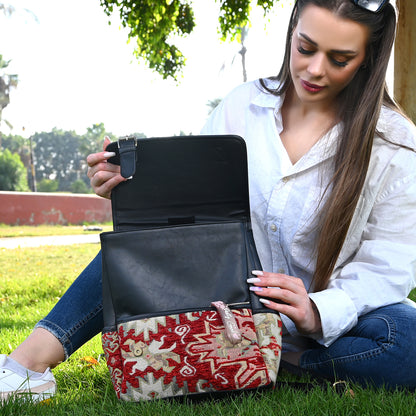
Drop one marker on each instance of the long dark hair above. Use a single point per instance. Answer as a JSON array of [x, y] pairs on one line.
[[359, 106]]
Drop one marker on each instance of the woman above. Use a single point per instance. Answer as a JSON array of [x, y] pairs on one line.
[[332, 188]]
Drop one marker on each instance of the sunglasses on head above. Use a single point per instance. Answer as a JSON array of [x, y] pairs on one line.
[[371, 5]]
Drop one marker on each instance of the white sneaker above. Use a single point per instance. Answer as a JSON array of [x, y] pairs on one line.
[[35, 387]]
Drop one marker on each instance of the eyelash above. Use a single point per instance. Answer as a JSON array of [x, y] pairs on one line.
[[334, 61]]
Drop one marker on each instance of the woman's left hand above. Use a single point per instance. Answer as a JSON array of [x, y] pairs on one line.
[[291, 291]]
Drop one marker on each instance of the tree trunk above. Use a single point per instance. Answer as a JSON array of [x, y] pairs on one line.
[[405, 58]]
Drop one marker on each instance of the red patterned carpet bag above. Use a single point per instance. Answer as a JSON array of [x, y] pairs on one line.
[[179, 319]]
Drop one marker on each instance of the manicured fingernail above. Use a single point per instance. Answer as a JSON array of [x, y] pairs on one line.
[[256, 289], [265, 301], [253, 280], [257, 273], [109, 154]]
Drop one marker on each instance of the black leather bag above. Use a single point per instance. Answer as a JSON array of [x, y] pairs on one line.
[[179, 318]]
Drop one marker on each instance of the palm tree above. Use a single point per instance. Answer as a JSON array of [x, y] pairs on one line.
[[212, 104], [243, 50], [7, 81], [7, 9]]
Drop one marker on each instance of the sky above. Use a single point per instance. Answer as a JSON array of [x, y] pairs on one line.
[[76, 70]]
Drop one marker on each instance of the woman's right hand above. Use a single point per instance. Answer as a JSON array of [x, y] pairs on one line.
[[103, 176]]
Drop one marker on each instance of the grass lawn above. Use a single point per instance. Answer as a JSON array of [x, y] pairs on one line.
[[7, 231], [33, 279]]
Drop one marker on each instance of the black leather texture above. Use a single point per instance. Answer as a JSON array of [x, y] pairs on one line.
[[182, 234], [127, 154], [183, 179], [175, 269]]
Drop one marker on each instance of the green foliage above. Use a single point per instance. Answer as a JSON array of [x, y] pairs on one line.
[[14, 143], [58, 157], [153, 25], [12, 172], [47, 185], [79, 187], [234, 14], [92, 140]]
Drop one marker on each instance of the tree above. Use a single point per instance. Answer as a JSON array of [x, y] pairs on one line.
[[13, 175], [57, 157], [7, 82], [21, 146], [6, 9], [17, 144], [243, 51], [48, 185], [153, 25], [405, 58], [212, 104], [79, 187], [92, 140]]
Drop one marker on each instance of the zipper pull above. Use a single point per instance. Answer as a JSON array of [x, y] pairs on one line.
[[232, 332]]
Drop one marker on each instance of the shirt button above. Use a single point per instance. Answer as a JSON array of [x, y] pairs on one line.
[[281, 271], [285, 179], [273, 227]]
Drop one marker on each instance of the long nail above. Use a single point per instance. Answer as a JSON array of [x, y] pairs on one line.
[[257, 273], [253, 280], [109, 154], [265, 301], [256, 289]]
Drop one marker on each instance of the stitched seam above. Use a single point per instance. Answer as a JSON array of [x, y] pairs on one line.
[[65, 336], [81, 323]]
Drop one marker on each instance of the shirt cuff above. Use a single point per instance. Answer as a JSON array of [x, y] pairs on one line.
[[337, 312]]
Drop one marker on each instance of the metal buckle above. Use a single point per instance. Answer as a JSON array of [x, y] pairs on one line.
[[126, 138]]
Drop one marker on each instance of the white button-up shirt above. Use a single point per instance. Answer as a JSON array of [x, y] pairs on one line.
[[377, 264]]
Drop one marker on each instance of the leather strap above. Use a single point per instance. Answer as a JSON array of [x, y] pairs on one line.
[[127, 150]]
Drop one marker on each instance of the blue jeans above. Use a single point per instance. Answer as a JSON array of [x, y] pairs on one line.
[[379, 350], [78, 315]]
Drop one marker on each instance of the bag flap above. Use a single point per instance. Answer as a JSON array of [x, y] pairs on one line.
[[159, 271], [181, 179]]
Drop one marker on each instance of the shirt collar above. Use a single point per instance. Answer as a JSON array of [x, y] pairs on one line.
[[322, 150], [267, 100]]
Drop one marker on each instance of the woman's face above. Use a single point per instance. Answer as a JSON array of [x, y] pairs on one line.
[[326, 53]]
